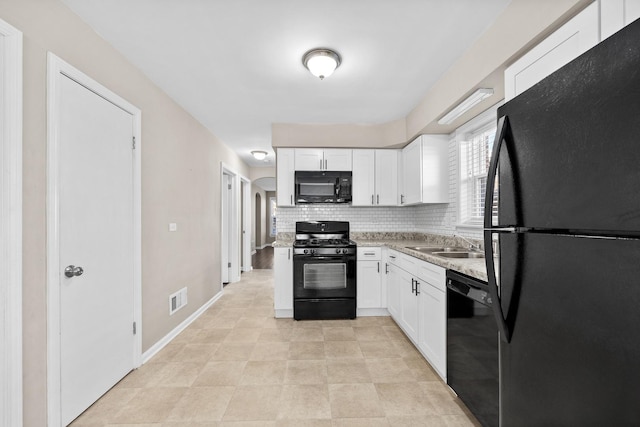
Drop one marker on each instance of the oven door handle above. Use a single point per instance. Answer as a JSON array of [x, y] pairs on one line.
[[318, 257]]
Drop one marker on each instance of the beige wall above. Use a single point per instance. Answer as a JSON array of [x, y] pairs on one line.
[[180, 183], [257, 173]]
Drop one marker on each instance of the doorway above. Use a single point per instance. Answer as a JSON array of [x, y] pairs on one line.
[[235, 217], [259, 221], [10, 224], [93, 224], [245, 209]]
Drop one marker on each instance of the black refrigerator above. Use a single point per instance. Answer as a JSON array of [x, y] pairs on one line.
[[567, 158]]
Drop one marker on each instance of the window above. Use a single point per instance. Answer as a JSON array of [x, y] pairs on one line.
[[475, 154]]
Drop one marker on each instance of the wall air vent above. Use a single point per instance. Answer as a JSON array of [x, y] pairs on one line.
[[177, 300]]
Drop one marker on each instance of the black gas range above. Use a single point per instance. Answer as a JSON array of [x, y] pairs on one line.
[[324, 271]]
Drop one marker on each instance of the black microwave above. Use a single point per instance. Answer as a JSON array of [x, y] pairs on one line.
[[323, 187]]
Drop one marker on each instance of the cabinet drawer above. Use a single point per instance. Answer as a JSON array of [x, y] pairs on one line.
[[369, 254], [393, 257], [432, 274]]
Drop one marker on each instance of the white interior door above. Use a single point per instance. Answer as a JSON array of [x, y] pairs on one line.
[[96, 233]]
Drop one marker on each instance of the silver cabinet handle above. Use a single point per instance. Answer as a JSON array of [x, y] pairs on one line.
[[378, 267], [401, 198], [320, 164], [72, 270], [372, 199], [378, 199], [325, 164], [292, 199], [369, 253]]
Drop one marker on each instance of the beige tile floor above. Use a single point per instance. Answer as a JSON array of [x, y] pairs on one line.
[[238, 366]]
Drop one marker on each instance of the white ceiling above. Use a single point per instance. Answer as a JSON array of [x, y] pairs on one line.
[[235, 65]]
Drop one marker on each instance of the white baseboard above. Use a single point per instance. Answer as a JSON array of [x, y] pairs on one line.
[[364, 312], [284, 313], [154, 349]]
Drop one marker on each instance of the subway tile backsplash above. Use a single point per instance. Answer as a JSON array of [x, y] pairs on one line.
[[433, 219]]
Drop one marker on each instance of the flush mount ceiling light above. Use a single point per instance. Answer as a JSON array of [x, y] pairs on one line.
[[473, 100], [321, 62], [259, 155]]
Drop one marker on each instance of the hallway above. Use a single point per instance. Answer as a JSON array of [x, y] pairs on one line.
[[263, 259], [238, 366]]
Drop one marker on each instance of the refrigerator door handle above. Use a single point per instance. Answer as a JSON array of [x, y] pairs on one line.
[[503, 126]]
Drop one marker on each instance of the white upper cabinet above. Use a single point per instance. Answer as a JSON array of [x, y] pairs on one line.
[[411, 173], [387, 177], [363, 187], [375, 178], [318, 159], [425, 170], [616, 14], [309, 159], [568, 42], [285, 184]]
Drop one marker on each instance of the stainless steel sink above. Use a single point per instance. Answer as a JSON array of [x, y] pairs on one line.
[[430, 249], [459, 254]]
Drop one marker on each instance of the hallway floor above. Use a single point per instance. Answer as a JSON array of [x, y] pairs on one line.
[[263, 258], [238, 366]]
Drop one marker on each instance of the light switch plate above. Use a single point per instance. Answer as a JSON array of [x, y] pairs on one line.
[[173, 226]]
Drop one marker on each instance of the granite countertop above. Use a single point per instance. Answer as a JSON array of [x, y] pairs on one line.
[[474, 267]]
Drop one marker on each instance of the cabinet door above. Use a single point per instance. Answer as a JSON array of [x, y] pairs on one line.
[[285, 179], [411, 173], [369, 284], [283, 282], [363, 178], [338, 159], [571, 40], [408, 306], [309, 159], [393, 291], [435, 169], [432, 330], [616, 14], [386, 177]]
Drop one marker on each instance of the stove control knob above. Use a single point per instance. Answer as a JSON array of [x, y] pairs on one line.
[[338, 250], [306, 251], [313, 251]]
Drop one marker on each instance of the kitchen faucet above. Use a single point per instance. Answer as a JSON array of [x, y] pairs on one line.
[[472, 246]]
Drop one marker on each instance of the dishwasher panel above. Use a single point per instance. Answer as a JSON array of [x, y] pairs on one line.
[[472, 347]]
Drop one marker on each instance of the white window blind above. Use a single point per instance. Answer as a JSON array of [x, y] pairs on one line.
[[475, 155]]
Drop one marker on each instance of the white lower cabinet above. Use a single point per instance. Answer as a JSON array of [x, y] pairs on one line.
[[393, 290], [432, 325], [416, 300], [408, 305], [283, 282], [371, 296]]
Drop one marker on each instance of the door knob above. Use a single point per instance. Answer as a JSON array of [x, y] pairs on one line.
[[72, 270]]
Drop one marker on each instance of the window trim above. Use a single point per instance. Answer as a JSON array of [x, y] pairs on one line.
[[478, 124]]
